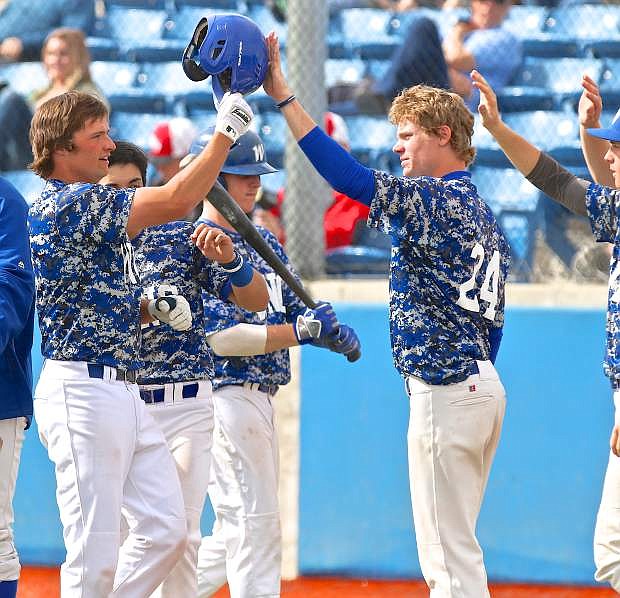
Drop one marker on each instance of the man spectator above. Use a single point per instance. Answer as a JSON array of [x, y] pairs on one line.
[[169, 142], [23, 28]]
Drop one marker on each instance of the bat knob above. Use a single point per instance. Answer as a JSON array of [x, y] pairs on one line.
[[354, 356], [165, 304]]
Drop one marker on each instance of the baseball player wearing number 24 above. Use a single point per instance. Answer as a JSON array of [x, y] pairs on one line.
[[175, 382], [110, 456], [447, 276]]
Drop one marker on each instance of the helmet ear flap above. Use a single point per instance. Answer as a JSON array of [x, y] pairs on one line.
[[191, 69]]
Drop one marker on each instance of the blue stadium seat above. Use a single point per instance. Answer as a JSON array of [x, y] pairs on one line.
[[606, 48], [159, 50], [549, 47], [167, 78], [526, 21], [488, 152], [505, 189], [149, 4], [343, 70], [135, 100], [133, 24], [229, 5], [203, 120], [545, 129], [357, 261], [520, 99], [520, 229], [585, 21], [103, 48], [27, 183], [134, 127], [610, 83], [365, 25], [24, 77], [272, 129], [114, 76], [181, 24], [198, 102], [399, 23], [371, 139], [266, 22], [377, 68]]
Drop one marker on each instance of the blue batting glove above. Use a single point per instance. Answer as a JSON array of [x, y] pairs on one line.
[[346, 342]]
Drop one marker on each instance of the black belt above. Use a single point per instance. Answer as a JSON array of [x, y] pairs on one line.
[[270, 389], [157, 395], [98, 371]]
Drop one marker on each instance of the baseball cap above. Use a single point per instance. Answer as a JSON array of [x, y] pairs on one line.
[[336, 128], [610, 133], [171, 139]]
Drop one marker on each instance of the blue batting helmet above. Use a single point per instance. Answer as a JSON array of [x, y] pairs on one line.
[[246, 156], [230, 47]]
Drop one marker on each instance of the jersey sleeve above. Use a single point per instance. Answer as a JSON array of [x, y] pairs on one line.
[[602, 204], [94, 213], [209, 274], [407, 208]]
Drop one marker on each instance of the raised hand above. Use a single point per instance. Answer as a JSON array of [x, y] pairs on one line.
[[487, 107], [590, 104], [213, 243], [275, 83], [234, 116]]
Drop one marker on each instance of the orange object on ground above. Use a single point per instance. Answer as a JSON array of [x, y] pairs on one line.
[[43, 582]]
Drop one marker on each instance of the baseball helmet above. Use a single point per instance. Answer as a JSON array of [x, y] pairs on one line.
[[230, 47], [245, 157]]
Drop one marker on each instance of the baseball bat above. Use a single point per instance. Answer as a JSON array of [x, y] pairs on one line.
[[228, 207]]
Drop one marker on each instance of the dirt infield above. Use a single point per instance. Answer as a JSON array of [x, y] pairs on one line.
[[39, 582]]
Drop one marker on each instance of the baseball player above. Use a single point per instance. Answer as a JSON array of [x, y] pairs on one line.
[[109, 454], [175, 381], [251, 362], [601, 204], [16, 323], [447, 275]]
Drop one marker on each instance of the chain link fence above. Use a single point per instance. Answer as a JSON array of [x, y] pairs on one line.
[[352, 57]]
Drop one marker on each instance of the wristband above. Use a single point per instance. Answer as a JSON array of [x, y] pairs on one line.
[[242, 276], [286, 102], [234, 265]]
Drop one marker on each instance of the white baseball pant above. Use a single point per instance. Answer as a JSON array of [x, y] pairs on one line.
[[245, 547], [607, 529], [110, 457], [11, 442], [187, 424], [453, 433]]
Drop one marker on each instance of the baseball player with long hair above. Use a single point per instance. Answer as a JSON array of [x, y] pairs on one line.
[[16, 324], [109, 454], [175, 382], [251, 363], [447, 275], [601, 204]]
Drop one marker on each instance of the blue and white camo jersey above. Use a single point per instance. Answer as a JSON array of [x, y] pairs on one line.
[[603, 204], [448, 271], [271, 368], [88, 296], [170, 264]]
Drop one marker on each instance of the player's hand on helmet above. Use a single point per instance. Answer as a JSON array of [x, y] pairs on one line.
[[173, 310], [214, 243], [234, 116], [590, 103], [275, 84], [345, 341], [315, 326], [488, 102]]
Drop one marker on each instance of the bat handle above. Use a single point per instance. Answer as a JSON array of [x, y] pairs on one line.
[[354, 356]]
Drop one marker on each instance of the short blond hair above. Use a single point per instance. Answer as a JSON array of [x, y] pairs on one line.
[[54, 123], [431, 108]]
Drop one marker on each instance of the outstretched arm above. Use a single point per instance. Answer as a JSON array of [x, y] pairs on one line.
[[594, 149]]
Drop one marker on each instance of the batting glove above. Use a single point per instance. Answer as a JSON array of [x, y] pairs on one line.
[[173, 310], [234, 116], [345, 342], [316, 325]]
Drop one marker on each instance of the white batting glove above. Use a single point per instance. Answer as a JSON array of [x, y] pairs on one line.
[[234, 116], [173, 310]]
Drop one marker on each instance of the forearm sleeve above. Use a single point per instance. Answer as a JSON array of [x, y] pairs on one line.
[[495, 339], [559, 184], [338, 167], [240, 340]]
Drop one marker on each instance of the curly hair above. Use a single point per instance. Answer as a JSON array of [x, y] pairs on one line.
[[431, 108]]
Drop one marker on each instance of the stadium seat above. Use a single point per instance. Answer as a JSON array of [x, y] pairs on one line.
[[134, 127], [357, 261], [520, 230], [148, 4], [526, 21], [606, 48], [365, 25], [371, 138], [377, 68], [167, 78], [505, 189], [584, 21], [343, 70], [488, 152], [135, 100], [203, 120], [198, 102], [545, 129], [520, 99], [114, 76], [24, 77], [159, 50], [273, 131], [27, 183], [399, 23], [181, 24], [103, 48], [549, 47], [133, 24], [610, 83], [229, 5], [266, 22]]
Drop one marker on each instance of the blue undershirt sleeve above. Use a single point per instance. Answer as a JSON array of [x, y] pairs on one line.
[[495, 338], [338, 167]]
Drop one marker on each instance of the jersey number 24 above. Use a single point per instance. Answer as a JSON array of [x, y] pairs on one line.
[[489, 289]]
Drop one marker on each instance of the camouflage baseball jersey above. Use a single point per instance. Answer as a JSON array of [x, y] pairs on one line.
[[88, 296], [448, 270], [284, 305], [604, 209], [170, 264]]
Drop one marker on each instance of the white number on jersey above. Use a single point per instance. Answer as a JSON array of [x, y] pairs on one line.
[[276, 302], [490, 286]]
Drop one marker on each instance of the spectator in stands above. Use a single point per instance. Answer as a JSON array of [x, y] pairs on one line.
[[168, 144], [478, 42], [343, 218], [24, 26], [66, 60]]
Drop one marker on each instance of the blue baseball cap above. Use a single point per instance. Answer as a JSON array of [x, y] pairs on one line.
[[610, 133]]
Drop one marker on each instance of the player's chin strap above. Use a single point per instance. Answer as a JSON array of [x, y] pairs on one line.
[[190, 67]]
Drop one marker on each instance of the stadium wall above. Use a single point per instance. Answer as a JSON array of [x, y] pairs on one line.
[[353, 516]]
